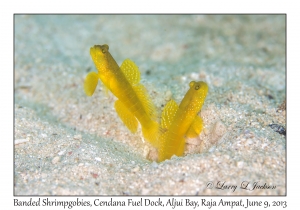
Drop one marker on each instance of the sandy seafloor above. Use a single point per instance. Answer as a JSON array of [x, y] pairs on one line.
[[69, 144]]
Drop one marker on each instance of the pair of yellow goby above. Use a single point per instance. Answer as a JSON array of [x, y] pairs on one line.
[[134, 104]]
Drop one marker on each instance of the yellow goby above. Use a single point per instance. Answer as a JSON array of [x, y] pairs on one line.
[[180, 121], [133, 102]]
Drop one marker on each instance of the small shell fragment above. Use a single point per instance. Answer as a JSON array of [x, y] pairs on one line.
[[77, 137], [20, 141], [218, 130], [168, 95], [55, 160], [61, 152]]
